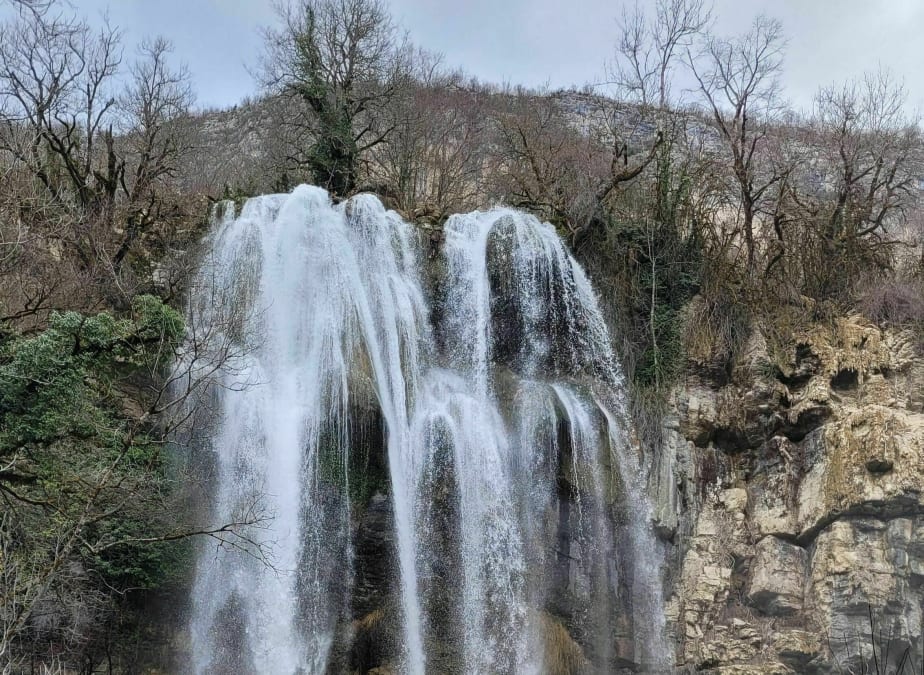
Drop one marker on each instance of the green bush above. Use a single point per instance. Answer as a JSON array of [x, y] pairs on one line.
[[82, 468]]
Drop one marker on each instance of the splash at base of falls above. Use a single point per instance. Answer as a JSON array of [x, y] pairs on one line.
[[470, 404]]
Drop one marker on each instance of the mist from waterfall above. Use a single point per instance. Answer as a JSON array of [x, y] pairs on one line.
[[481, 379]]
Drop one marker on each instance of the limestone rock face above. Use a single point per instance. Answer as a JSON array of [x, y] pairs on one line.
[[777, 577], [794, 495], [869, 563]]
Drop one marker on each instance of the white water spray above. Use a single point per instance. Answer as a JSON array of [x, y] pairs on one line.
[[502, 427]]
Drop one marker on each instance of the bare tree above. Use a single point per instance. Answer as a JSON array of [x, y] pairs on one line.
[[739, 83], [57, 101], [31, 5], [648, 48], [57, 107], [343, 59], [155, 109], [857, 186], [544, 164], [432, 162], [873, 154], [90, 160]]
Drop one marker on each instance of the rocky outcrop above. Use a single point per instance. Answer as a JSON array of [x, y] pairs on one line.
[[795, 496], [777, 582]]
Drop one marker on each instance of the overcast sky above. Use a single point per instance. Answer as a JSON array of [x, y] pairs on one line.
[[533, 42]]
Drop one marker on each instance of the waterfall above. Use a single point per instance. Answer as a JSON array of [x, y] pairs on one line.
[[474, 389]]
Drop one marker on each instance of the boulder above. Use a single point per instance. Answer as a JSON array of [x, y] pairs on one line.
[[777, 577]]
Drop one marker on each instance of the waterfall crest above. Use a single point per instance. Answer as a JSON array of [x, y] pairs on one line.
[[470, 397]]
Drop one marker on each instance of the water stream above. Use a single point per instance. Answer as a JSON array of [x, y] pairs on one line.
[[473, 387]]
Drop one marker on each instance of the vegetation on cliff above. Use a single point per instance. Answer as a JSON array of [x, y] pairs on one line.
[[84, 482]]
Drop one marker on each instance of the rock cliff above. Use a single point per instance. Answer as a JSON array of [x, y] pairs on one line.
[[793, 494]]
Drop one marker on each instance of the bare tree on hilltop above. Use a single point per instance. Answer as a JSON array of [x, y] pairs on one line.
[[343, 61], [90, 156], [739, 84]]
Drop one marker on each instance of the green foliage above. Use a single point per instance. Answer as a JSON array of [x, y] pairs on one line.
[[156, 322], [663, 275], [332, 158], [81, 469], [648, 262], [141, 565], [54, 385], [662, 359]]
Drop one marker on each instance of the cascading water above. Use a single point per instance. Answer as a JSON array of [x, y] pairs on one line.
[[483, 386]]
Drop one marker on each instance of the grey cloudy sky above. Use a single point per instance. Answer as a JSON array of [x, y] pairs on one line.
[[533, 42]]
